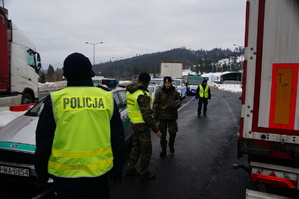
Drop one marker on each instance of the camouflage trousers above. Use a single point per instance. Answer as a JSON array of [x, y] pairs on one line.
[[142, 148], [172, 129]]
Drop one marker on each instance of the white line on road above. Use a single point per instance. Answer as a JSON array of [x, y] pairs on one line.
[[185, 104]]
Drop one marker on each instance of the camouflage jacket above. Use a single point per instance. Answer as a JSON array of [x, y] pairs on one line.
[[145, 108], [163, 99]]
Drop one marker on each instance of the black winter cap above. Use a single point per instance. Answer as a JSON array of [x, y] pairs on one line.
[[144, 77], [77, 66], [167, 79]]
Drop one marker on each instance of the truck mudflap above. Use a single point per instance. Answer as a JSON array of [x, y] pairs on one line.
[[274, 174], [250, 194]]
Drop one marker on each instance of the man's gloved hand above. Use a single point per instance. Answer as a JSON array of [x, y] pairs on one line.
[[116, 178]]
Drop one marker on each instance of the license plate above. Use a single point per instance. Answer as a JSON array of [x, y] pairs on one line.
[[14, 171]]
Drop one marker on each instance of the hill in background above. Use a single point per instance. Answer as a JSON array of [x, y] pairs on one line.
[[199, 61]]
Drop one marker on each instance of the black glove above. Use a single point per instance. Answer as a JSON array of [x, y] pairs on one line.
[[116, 178]]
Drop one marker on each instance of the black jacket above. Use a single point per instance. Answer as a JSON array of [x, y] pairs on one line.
[[45, 134]]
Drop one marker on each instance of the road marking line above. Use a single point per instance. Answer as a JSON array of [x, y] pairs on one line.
[[185, 104]]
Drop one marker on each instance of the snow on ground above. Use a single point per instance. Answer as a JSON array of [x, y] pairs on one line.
[[6, 115], [235, 88], [51, 86]]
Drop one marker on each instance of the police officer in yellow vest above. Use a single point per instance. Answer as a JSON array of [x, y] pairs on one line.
[[80, 137], [141, 115], [203, 93]]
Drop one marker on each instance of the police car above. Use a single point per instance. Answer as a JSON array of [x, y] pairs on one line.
[[17, 141], [180, 86], [153, 89], [157, 81]]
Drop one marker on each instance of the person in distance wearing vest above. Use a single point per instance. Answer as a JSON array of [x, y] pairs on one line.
[[141, 115], [203, 93], [80, 140]]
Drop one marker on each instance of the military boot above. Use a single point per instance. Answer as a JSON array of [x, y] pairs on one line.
[[163, 152], [171, 142], [163, 145], [147, 176]]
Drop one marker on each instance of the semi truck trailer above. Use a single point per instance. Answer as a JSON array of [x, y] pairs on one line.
[[269, 124], [172, 69], [19, 65]]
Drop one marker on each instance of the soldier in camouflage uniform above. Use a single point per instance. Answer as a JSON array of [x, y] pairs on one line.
[[141, 116], [166, 103]]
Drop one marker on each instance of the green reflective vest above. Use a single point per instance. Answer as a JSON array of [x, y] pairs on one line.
[[134, 112], [81, 145], [203, 93]]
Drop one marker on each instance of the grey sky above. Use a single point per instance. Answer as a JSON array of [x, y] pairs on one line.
[[126, 27]]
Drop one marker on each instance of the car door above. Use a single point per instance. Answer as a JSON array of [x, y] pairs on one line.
[[183, 88], [120, 99]]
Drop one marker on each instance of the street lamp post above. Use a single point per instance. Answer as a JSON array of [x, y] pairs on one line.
[[116, 66], [94, 44]]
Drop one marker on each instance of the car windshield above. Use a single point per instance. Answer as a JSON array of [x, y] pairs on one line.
[[157, 81], [177, 82], [150, 89], [36, 110]]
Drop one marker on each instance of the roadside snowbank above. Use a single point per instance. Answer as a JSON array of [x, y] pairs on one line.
[[51, 86], [235, 88]]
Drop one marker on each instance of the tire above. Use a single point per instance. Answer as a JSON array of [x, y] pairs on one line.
[[27, 99]]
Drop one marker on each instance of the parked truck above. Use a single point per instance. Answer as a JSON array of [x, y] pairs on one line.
[[192, 83], [173, 69], [269, 124], [19, 65]]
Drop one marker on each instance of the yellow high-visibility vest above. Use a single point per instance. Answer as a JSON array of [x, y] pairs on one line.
[[203, 93], [134, 112], [81, 145]]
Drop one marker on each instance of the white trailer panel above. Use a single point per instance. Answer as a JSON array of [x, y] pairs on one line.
[[172, 69], [271, 104]]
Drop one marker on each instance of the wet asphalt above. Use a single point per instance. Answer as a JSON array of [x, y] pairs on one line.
[[201, 167], [205, 150]]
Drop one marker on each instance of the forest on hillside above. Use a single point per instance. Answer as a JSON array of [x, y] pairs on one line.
[[199, 61]]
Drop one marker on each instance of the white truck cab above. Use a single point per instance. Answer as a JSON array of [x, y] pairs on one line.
[[20, 64]]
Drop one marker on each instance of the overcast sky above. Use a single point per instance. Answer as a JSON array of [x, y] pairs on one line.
[[126, 27]]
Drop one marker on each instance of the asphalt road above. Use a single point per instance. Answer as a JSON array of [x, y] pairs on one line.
[[201, 167], [43, 95]]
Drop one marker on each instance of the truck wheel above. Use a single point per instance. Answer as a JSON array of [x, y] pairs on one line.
[[27, 99]]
